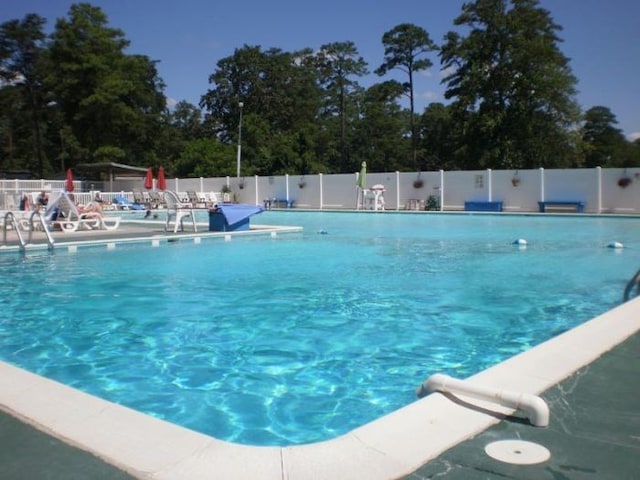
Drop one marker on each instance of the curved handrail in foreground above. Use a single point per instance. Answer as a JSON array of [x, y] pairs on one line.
[[10, 216], [37, 213], [533, 406], [634, 282]]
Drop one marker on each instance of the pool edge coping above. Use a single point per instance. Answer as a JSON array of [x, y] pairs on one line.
[[389, 447]]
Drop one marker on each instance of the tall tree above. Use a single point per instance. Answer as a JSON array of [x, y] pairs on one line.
[[512, 87], [187, 120], [279, 95], [438, 134], [112, 102], [338, 63], [405, 47], [21, 47], [604, 142], [380, 134]]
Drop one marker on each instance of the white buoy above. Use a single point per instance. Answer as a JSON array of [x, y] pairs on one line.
[[615, 245], [520, 242]]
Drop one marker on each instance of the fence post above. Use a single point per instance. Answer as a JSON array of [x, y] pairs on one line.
[[257, 193], [286, 187], [320, 180], [442, 190], [599, 188], [397, 190]]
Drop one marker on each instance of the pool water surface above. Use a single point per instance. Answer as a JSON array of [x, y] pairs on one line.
[[303, 337]]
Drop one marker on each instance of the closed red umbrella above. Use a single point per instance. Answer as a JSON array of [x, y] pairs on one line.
[[68, 186], [162, 183], [148, 180]]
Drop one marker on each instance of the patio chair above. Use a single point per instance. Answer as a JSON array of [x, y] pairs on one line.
[[196, 201], [138, 199], [156, 200], [123, 203], [178, 211]]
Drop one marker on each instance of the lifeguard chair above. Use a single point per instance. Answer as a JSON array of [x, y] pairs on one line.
[[374, 197]]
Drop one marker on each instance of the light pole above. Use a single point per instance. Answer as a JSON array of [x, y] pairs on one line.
[[240, 104]]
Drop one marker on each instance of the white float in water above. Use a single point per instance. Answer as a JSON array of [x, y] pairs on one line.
[[520, 242], [615, 245]]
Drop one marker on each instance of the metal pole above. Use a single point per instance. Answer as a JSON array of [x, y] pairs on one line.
[[240, 104]]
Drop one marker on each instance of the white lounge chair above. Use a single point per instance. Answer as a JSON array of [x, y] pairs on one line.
[[63, 213], [196, 201], [178, 211]]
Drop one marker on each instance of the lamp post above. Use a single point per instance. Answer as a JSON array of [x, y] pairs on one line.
[[240, 104]]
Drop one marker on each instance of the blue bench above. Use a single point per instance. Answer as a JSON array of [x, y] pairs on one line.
[[579, 206], [483, 206], [270, 203]]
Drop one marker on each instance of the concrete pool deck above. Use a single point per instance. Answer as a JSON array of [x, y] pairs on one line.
[[587, 375]]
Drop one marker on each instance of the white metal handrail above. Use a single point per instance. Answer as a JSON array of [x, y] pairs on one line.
[[634, 282], [45, 228], [10, 217]]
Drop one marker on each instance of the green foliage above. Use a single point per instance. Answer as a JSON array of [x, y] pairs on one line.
[[205, 158], [380, 135], [76, 96], [605, 145], [337, 64], [108, 98], [108, 153], [513, 89], [21, 71], [404, 48]]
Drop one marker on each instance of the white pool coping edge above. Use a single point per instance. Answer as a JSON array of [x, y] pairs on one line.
[[390, 447]]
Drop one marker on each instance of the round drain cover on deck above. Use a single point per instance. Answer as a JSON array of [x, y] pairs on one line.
[[518, 452]]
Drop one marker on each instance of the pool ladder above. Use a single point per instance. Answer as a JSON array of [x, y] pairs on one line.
[[634, 282], [10, 219]]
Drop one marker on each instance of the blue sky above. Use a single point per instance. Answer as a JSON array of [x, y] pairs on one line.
[[188, 37]]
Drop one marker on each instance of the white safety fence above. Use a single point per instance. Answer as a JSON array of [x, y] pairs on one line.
[[597, 190]]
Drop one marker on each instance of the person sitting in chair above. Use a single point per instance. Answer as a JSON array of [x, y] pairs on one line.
[[42, 200], [24, 202], [91, 207]]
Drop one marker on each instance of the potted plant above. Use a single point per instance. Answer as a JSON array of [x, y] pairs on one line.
[[432, 203], [624, 181]]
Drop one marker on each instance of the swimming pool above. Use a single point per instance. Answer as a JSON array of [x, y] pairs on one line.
[[304, 337]]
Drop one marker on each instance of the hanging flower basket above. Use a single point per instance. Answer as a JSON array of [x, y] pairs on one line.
[[418, 183], [226, 189], [302, 183], [515, 181], [624, 182]]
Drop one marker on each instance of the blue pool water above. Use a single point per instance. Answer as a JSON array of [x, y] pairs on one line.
[[306, 336]]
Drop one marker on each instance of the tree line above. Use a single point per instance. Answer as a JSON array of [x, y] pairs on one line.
[[75, 97]]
